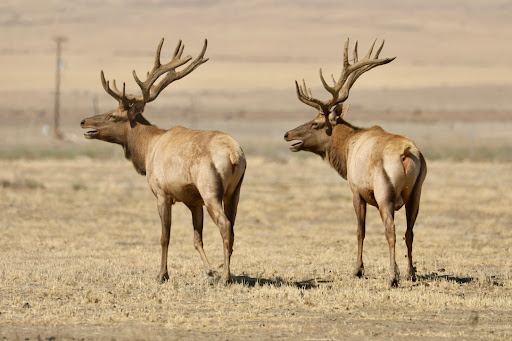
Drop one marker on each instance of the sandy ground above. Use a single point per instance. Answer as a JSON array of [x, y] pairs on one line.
[[80, 252]]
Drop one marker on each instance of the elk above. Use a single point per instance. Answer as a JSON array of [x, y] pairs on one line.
[[384, 170], [196, 167]]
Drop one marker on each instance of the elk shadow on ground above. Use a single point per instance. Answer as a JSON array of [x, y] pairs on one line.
[[433, 276], [491, 280], [277, 282]]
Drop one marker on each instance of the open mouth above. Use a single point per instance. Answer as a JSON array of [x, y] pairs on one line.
[[91, 133], [296, 146]]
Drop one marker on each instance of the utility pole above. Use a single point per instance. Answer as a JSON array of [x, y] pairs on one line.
[[95, 104], [60, 65]]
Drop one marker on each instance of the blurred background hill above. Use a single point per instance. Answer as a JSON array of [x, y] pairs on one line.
[[452, 65]]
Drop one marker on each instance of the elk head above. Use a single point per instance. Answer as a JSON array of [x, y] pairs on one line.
[[314, 136], [114, 125]]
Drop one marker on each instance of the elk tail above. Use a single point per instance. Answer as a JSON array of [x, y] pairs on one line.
[[404, 157], [237, 157]]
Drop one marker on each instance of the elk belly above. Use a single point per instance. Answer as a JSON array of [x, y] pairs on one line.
[[399, 203]]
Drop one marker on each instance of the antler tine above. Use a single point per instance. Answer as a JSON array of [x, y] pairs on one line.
[[369, 54], [306, 91], [327, 87], [114, 93], [195, 63], [153, 75], [345, 55], [357, 69], [114, 86], [356, 58], [170, 67], [157, 55], [380, 49], [344, 73], [349, 74], [355, 75], [203, 51], [305, 96], [347, 70], [149, 90], [371, 66], [178, 50], [125, 99]]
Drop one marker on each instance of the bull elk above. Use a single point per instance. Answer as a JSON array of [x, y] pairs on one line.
[[196, 167], [382, 169]]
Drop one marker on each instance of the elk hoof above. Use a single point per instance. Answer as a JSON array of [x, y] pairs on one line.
[[393, 283], [411, 274], [220, 280], [359, 271], [162, 278], [225, 279], [211, 273]]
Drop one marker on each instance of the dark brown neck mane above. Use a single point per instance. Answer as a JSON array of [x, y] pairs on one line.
[[138, 139], [337, 151]]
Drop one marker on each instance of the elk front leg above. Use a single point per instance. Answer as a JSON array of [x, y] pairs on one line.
[[164, 208], [387, 214], [197, 221], [360, 208]]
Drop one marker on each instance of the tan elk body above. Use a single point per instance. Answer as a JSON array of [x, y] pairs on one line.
[[382, 169], [196, 167]]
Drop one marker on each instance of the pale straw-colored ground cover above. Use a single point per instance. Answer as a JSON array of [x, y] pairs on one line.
[[80, 252]]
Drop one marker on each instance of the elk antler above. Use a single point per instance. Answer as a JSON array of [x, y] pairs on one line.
[[150, 91], [349, 74]]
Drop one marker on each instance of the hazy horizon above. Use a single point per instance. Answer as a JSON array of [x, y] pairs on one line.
[[450, 56]]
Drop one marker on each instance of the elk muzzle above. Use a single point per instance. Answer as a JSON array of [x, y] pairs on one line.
[[90, 133], [295, 147]]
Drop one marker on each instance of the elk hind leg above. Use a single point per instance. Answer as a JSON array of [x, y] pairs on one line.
[[220, 219], [231, 203], [387, 214], [197, 222], [411, 211]]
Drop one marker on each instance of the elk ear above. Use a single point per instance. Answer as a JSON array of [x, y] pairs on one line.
[[338, 113], [333, 118], [340, 110], [136, 109]]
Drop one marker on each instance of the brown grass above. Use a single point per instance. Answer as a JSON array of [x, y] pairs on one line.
[[79, 257]]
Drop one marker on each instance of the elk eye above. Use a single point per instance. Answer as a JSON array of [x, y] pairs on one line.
[[112, 117], [314, 125]]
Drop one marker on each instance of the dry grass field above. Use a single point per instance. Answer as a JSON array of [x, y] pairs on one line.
[[80, 252]]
